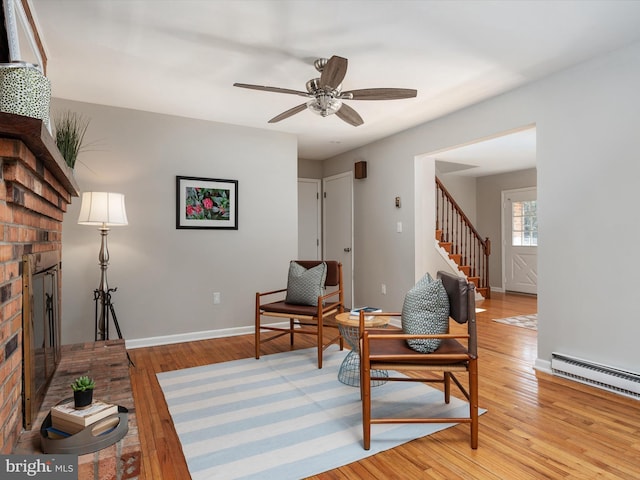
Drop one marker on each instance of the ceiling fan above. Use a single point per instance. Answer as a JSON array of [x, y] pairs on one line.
[[326, 95]]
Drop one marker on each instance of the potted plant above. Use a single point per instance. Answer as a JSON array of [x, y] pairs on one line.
[[70, 130], [83, 391]]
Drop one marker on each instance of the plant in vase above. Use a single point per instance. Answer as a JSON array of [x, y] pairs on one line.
[[83, 391], [70, 130]]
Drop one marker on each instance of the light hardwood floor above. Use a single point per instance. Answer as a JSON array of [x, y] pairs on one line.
[[537, 426]]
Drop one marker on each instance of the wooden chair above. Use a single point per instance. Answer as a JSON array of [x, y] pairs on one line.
[[388, 350], [303, 319]]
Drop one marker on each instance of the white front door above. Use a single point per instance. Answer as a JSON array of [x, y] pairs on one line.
[[520, 240], [309, 211], [337, 214]]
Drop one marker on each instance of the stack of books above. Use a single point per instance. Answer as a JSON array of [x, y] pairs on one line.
[[67, 421], [355, 312]]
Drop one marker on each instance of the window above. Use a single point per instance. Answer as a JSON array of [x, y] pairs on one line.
[[524, 224]]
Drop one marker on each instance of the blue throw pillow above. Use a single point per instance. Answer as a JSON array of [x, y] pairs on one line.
[[304, 286], [426, 312]]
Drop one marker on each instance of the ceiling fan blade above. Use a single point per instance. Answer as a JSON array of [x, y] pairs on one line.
[[271, 89], [349, 115], [333, 72], [288, 113], [381, 93]]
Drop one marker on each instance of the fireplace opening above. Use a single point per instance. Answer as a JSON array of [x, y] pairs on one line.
[[40, 328]]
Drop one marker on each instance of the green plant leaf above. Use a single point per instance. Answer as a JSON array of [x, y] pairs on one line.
[[70, 130]]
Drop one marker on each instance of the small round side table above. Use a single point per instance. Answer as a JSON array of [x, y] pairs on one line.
[[349, 327]]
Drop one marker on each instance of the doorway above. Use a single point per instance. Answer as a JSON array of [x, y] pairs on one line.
[[309, 219], [520, 240], [337, 215]]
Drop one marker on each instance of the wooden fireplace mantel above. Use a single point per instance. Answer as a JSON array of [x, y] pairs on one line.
[[36, 137]]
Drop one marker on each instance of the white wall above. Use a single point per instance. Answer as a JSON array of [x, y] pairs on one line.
[[463, 190], [381, 255], [588, 173], [166, 277], [587, 122], [309, 168]]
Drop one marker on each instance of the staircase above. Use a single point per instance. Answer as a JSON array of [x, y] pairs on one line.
[[463, 244]]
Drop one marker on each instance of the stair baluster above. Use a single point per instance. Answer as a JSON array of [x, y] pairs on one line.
[[459, 237]]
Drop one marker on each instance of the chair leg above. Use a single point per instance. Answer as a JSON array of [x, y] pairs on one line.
[[447, 387], [365, 394], [473, 401], [320, 342], [291, 325], [256, 338]]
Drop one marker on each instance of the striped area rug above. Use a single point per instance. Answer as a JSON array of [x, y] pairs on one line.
[[281, 417]]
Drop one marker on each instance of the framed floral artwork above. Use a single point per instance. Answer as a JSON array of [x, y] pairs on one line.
[[206, 203]]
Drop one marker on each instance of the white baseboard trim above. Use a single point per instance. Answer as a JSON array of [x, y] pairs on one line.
[[186, 337], [543, 366], [192, 336]]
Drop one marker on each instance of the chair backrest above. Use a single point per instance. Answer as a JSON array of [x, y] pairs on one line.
[[461, 307], [333, 270]]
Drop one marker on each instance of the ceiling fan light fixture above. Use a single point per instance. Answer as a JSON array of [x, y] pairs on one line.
[[324, 105], [325, 93], [313, 85]]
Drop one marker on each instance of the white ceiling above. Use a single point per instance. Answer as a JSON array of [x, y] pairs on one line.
[[504, 153], [181, 57]]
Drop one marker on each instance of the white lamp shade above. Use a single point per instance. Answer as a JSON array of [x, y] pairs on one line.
[[102, 208]]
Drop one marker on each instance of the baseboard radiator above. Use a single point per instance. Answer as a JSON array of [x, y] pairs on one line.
[[601, 376]]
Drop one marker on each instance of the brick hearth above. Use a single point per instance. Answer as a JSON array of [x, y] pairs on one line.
[[107, 363]]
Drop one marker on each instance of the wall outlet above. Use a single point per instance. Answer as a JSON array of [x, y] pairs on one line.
[[216, 298], [384, 289]]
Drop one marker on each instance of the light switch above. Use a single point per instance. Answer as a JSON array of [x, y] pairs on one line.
[[399, 227]]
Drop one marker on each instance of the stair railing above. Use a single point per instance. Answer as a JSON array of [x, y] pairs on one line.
[[465, 240]]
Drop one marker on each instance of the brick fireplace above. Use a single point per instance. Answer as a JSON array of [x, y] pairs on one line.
[[36, 186], [35, 189]]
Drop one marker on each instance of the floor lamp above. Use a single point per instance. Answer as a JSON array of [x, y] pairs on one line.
[[104, 209]]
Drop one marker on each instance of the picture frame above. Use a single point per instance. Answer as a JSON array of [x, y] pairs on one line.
[[24, 42], [206, 203]]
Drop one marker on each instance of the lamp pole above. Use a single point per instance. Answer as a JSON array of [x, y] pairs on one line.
[[103, 289]]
